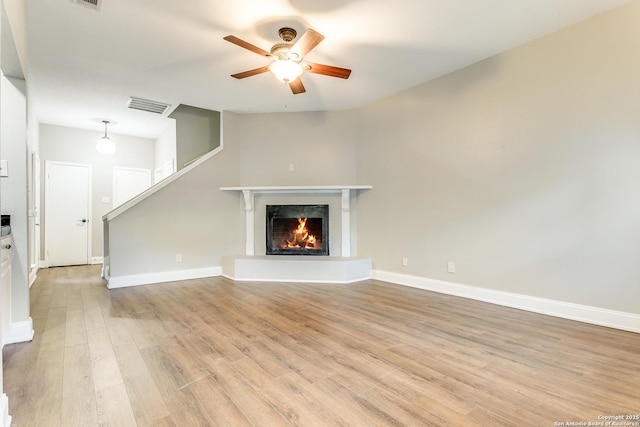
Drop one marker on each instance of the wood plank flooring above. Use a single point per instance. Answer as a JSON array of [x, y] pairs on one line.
[[213, 352]]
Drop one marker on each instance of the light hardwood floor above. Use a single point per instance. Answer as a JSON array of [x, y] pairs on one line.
[[214, 352]]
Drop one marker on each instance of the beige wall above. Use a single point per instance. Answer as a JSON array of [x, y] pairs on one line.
[[193, 217], [522, 169], [190, 216], [320, 145], [197, 133]]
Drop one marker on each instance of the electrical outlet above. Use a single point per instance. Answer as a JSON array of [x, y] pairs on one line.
[[405, 261], [451, 267], [292, 167], [178, 257]]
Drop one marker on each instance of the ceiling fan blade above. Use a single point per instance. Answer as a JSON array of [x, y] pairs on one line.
[[250, 73], [246, 45], [328, 70], [297, 86], [306, 42]]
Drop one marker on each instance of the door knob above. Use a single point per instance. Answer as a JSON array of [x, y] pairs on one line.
[[84, 220]]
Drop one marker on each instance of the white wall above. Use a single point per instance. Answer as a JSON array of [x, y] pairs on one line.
[[523, 169], [13, 125], [63, 144]]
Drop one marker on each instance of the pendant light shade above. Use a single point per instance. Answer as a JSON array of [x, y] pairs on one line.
[[105, 145]]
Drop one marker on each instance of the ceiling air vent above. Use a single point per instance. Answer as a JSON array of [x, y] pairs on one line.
[[91, 4], [146, 105]]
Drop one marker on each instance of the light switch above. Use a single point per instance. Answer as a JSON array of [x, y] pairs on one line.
[[105, 199], [451, 267]]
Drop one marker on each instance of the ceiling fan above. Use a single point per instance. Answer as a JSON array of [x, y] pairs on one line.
[[288, 64]]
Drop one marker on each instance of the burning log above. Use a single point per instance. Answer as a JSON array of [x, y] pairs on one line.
[[301, 237]]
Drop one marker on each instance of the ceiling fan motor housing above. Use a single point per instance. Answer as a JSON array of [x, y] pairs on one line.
[[281, 50], [287, 34]]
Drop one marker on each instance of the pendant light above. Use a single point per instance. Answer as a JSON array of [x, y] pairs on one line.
[[105, 145]]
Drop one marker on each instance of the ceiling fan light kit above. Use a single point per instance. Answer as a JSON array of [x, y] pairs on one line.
[[286, 70], [288, 57]]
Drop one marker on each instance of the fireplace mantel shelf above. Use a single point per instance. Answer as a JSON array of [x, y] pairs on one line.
[[299, 189], [345, 192]]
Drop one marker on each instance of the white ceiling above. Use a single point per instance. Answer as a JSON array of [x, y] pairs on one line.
[[85, 64]]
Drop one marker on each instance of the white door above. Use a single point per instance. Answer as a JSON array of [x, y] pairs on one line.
[[128, 183], [167, 168], [67, 213], [34, 216]]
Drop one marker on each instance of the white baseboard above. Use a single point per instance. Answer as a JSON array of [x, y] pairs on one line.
[[328, 282], [582, 313], [33, 275], [20, 332], [5, 419], [93, 260], [160, 277]]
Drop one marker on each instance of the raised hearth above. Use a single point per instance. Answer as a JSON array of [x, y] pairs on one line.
[[296, 269]]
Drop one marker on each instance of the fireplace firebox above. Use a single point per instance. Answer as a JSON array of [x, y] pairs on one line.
[[297, 229]]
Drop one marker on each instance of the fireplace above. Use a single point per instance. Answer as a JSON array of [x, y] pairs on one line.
[[297, 229]]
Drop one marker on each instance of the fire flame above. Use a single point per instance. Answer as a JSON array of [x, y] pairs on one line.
[[301, 237]]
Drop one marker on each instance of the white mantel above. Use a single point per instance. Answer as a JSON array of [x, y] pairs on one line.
[[344, 191]]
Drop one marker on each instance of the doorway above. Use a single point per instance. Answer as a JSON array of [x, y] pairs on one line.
[[67, 213], [128, 183]]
